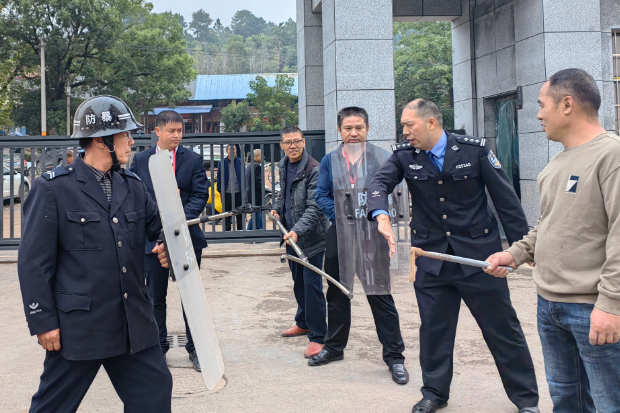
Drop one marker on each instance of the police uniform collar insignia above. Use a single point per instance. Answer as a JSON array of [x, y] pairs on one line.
[[455, 148], [417, 151], [471, 140], [415, 166], [493, 160], [400, 146]]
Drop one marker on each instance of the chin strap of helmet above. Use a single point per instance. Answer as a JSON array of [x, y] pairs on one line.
[[116, 166]]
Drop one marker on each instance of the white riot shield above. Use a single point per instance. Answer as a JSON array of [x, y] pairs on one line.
[[183, 261], [363, 253]]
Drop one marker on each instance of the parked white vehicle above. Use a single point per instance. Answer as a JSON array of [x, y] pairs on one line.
[[17, 182], [206, 154]]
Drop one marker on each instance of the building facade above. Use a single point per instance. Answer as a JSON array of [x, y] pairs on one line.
[[503, 51]]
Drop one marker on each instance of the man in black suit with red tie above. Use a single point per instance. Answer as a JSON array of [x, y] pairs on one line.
[[192, 182]]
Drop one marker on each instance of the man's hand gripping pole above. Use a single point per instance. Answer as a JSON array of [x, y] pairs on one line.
[[243, 209], [418, 252], [303, 260]]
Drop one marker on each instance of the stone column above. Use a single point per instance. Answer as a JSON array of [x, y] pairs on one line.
[[358, 65], [310, 67], [551, 35], [464, 84]]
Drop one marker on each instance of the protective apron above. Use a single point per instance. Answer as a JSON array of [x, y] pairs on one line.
[[363, 252]]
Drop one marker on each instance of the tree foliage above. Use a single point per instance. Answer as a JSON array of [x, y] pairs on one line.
[[272, 107], [116, 47], [236, 116], [201, 26], [249, 45], [275, 105], [423, 66], [246, 24]]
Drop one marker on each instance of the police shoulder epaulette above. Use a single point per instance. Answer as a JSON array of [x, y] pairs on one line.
[[127, 172], [401, 146], [58, 171], [471, 140]]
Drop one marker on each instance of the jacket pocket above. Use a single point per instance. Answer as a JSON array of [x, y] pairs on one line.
[[67, 302], [418, 230], [467, 183], [83, 231], [135, 227], [483, 229], [419, 175], [146, 293]]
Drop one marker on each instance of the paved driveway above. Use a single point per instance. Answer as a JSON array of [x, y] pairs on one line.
[[253, 302]]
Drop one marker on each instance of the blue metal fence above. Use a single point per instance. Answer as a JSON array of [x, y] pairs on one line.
[[25, 158]]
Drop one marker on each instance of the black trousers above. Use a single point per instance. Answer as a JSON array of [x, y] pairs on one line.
[[488, 299], [157, 281], [383, 309], [228, 206], [142, 381], [308, 290]]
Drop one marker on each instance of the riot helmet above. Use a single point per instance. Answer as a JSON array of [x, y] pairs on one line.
[[103, 117]]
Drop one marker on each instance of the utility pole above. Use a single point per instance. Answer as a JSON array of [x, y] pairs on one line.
[[68, 93], [43, 98]]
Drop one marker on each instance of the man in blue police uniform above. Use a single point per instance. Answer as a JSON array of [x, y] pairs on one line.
[[191, 177], [447, 175], [81, 270]]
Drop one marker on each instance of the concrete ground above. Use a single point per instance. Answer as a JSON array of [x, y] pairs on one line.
[[253, 302]]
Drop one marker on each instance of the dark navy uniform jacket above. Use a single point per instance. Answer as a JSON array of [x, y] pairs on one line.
[[193, 187], [81, 262], [451, 206]]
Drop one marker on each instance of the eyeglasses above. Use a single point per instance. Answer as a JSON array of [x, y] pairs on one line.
[[296, 142]]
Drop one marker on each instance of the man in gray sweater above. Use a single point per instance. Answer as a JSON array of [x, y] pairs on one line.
[[576, 247]]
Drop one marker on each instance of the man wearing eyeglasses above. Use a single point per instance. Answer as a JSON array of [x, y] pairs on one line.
[[296, 207]]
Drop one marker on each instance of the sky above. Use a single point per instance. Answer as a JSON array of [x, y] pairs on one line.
[[276, 11]]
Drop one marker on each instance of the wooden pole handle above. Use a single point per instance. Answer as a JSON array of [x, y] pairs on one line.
[[412, 267]]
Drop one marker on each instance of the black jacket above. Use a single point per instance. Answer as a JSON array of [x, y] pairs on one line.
[[257, 200], [451, 206], [193, 186], [309, 223], [81, 262]]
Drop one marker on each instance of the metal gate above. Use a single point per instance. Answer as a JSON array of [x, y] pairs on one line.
[[25, 158]]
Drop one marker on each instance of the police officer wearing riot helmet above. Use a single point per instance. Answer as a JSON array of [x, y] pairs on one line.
[[353, 128], [447, 175], [81, 270]]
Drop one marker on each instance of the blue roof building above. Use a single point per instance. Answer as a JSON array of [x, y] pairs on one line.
[[231, 87], [212, 93]]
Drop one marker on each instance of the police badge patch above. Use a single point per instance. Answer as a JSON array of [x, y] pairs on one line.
[[493, 159]]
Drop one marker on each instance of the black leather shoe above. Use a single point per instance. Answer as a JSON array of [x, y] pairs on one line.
[[324, 357], [399, 374], [428, 406], [194, 358]]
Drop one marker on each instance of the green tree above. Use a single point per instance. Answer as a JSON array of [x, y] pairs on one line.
[[236, 57], [7, 70], [423, 66], [275, 106], [114, 47], [201, 26], [249, 46], [246, 24], [236, 116], [221, 33], [285, 45]]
